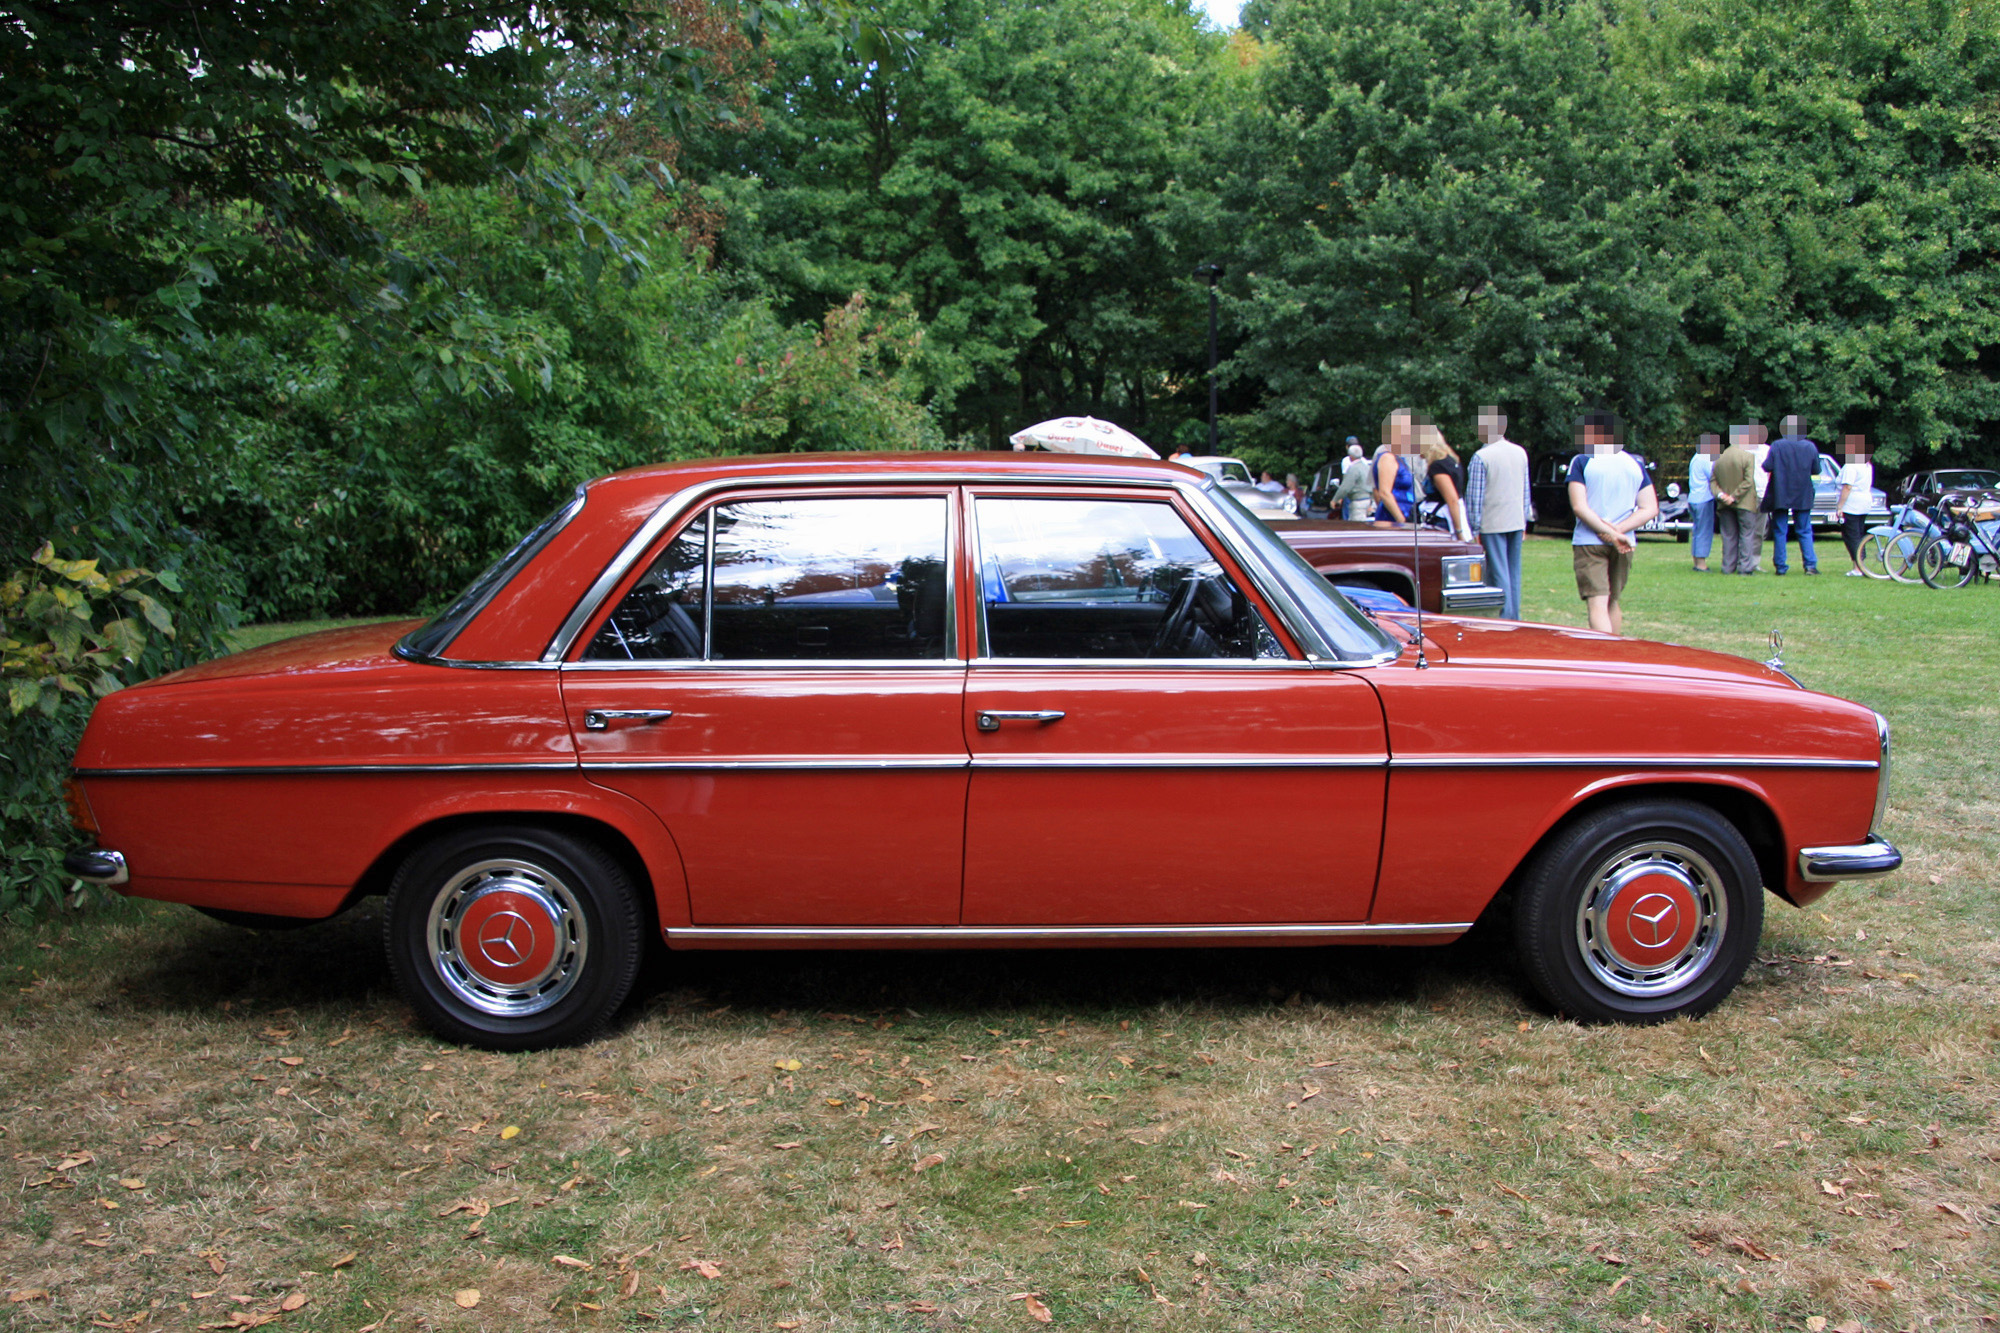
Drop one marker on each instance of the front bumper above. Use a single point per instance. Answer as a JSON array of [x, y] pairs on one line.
[[1867, 860], [1472, 599], [97, 866]]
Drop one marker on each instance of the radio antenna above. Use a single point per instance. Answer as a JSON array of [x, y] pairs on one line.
[[1417, 570]]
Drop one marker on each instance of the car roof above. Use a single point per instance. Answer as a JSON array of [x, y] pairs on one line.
[[665, 478]]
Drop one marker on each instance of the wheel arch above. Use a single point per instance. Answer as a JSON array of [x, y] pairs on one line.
[[609, 838], [1747, 810]]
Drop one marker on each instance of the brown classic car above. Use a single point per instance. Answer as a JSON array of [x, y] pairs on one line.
[[1361, 555]]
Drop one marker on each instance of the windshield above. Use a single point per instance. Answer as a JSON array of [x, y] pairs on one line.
[[433, 637], [1968, 480], [1348, 635]]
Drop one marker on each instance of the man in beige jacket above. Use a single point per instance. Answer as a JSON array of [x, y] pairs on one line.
[[1735, 485]]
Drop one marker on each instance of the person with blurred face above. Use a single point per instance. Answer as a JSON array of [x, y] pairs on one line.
[[1701, 498], [1857, 494], [1395, 473], [1792, 462], [1499, 504], [1611, 496], [1734, 482]]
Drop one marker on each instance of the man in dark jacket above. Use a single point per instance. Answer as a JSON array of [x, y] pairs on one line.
[[1792, 462]]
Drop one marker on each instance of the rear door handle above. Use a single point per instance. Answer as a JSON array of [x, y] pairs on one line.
[[990, 718], [598, 719]]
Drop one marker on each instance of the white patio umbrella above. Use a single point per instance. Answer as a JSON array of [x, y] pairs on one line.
[[1083, 435]]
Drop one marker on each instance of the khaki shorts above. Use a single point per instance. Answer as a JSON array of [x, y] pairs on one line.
[[1601, 571]]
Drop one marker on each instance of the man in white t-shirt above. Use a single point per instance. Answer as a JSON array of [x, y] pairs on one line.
[[1857, 495], [1611, 496]]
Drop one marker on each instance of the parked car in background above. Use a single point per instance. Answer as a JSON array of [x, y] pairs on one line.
[[888, 701], [1234, 476], [1360, 555], [1935, 482]]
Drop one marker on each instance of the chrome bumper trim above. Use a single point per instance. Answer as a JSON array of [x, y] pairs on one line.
[[1006, 936], [1867, 860], [97, 866]]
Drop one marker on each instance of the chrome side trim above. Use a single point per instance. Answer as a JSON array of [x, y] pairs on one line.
[[1867, 860], [1148, 663], [761, 664], [426, 659], [1178, 761], [681, 502], [294, 770], [874, 762], [1620, 761], [974, 936]]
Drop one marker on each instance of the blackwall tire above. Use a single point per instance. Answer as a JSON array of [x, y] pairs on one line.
[[1640, 912], [513, 939]]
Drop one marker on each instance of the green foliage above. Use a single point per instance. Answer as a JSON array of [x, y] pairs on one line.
[[1837, 199], [1007, 178], [69, 634]]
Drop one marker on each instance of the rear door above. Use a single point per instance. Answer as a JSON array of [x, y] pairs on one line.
[[781, 685]]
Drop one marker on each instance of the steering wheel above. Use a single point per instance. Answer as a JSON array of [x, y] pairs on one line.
[[1179, 617]]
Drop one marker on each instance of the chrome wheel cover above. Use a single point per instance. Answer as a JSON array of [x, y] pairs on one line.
[[489, 925], [1651, 920]]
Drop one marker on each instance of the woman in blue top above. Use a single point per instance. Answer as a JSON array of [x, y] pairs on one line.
[[1395, 479]]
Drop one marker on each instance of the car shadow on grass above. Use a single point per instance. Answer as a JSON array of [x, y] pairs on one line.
[[984, 983], [198, 965]]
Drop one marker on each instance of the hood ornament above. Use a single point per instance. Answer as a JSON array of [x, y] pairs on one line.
[[1776, 660]]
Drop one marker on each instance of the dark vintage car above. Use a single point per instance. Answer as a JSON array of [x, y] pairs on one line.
[[889, 701], [1450, 574], [1935, 482], [1548, 486]]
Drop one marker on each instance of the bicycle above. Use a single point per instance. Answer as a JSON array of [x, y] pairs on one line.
[[1889, 551], [1965, 543]]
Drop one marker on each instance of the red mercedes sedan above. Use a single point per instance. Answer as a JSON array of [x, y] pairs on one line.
[[889, 701]]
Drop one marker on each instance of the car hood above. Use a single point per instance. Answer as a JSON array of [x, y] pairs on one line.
[[1520, 644], [352, 648]]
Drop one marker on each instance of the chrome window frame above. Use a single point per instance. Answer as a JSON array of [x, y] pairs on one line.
[[704, 502]]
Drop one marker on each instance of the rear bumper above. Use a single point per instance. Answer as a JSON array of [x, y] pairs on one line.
[[1867, 860], [97, 866]]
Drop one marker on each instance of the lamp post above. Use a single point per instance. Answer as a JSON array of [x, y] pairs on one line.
[[1212, 272]]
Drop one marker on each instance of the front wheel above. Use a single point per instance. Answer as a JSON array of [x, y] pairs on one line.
[[1640, 912], [1946, 562], [513, 939]]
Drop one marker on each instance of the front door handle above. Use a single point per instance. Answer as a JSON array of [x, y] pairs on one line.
[[597, 719], [990, 718]]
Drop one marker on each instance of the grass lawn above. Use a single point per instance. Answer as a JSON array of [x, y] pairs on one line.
[[208, 1126]]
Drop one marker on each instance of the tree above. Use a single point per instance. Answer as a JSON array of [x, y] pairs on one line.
[[1438, 206], [1005, 177]]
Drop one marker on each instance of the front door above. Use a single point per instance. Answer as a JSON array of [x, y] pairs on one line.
[[1144, 750], [779, 686]]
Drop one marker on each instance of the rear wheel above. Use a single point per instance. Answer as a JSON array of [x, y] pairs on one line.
[[1640, 912], [513, 938], [1946, 562]]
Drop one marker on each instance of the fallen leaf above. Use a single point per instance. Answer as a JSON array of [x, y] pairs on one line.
[[1827, 1187], [1847, 1326], [466, 1299], [1619, 1283], [630, 1287], [133, 1183], [1032, 1305], [568, 1262], [477, 1207], [789, 1066], [27, 1294], [787, 1147], [215, 1262], [928, 1160], [512, 1131], [1815, 1323], [293, 1301], [1749, 1249], [290, 1061], [1508, 1189], [345, 1259], [921, 1307], [708, 1268], [789, 1323], [1954, 1210], [1881, 1284], [76, 1159], [1615, 1259]]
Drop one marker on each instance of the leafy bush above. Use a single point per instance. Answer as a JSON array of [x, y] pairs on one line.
[[69, 634]]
